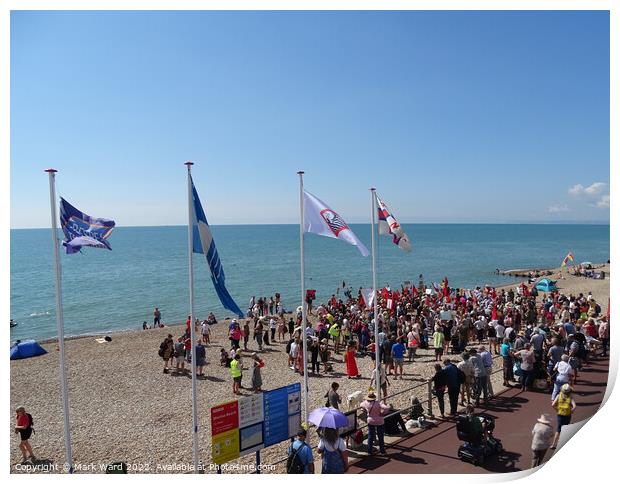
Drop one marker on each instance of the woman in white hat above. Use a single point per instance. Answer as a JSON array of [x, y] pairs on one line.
[[542, 437], [564, 405]]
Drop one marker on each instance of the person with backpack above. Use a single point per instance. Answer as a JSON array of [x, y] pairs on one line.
[[166, 350], [333, 450], [332, 397], [300, 459], [23, 427], [564, 405]]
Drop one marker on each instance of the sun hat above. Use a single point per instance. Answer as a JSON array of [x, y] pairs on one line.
[[544, 419], [566, 388], [371, 397]]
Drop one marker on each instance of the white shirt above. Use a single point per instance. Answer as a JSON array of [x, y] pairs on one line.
[[294, 348], [340, 445], [205, 328]]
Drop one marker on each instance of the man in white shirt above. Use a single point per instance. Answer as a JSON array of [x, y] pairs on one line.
[[206, 330]]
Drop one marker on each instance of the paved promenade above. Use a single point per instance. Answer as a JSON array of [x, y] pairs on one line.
[[435, 451]]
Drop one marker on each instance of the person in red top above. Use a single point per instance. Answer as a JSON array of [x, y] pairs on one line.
[[349, 359], [23, 427], [188, 323]]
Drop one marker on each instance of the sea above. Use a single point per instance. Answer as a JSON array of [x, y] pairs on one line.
[[108, 291]]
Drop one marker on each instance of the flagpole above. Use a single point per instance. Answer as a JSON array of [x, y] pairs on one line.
[[60, 323], [303, 295], [373, 204], [190, 247]]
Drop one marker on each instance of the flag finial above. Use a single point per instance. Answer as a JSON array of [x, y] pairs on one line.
[[300, 172], [51, 170], [189, 163]]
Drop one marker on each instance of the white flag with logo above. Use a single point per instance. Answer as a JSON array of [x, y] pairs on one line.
[[389, 226], [369, 297], [321, 220]]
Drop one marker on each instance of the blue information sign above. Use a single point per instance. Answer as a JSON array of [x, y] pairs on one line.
[[281, 406]]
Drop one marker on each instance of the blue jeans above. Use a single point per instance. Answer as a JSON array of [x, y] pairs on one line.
[[378, 430], [526, 379]]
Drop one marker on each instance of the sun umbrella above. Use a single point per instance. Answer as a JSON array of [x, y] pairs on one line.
[[328, 417]]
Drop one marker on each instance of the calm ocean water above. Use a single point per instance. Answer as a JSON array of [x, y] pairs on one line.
[[116, 290]]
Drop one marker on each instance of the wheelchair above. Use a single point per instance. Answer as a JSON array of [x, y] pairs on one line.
[[477, 447]]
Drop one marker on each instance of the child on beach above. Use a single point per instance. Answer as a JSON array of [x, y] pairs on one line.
[[224, 359]]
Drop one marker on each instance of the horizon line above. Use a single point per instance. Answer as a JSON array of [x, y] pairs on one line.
[[363, 223]]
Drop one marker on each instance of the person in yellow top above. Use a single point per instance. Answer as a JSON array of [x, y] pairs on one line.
[[564, 405], [334, 332], [235, 372], [438, 339]]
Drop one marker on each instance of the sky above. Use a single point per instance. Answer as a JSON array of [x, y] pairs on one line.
[[474, 117]]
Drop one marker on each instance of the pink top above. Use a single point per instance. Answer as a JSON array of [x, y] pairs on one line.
[[375, 410]]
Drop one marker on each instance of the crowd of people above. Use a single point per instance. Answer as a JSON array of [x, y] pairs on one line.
[[539, 340]]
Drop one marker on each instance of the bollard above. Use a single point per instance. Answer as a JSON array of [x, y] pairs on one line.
[[430, 398], [258, 461]]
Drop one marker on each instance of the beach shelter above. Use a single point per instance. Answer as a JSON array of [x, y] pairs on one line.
[[546, 285], [26, 349]]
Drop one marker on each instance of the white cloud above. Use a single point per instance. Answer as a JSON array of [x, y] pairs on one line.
[[597, 195], [603, 202], [576, 189], [595, 189], [558, 209]]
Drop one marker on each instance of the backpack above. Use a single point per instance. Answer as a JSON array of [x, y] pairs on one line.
[[294, 465], [332, 462], [162, 348]]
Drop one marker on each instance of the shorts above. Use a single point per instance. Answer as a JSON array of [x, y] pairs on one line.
[[439, 351], [180, 359], [237, 379], [398, 361], [25, 434], [563, 420]]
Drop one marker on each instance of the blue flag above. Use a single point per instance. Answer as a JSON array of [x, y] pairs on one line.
[[82, 230], [202, 238]]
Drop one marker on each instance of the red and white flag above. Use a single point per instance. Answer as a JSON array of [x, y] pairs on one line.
[[389, 226], [321, 220]]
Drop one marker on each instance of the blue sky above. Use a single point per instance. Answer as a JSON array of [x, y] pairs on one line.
[[452, 116]]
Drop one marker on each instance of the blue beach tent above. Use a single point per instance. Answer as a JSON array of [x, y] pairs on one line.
[[26, 349], [546, 285]]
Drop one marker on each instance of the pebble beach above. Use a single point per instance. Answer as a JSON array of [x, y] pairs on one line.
[[124, 408]]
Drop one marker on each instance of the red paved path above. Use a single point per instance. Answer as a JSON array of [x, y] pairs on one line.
[[434, 451]]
